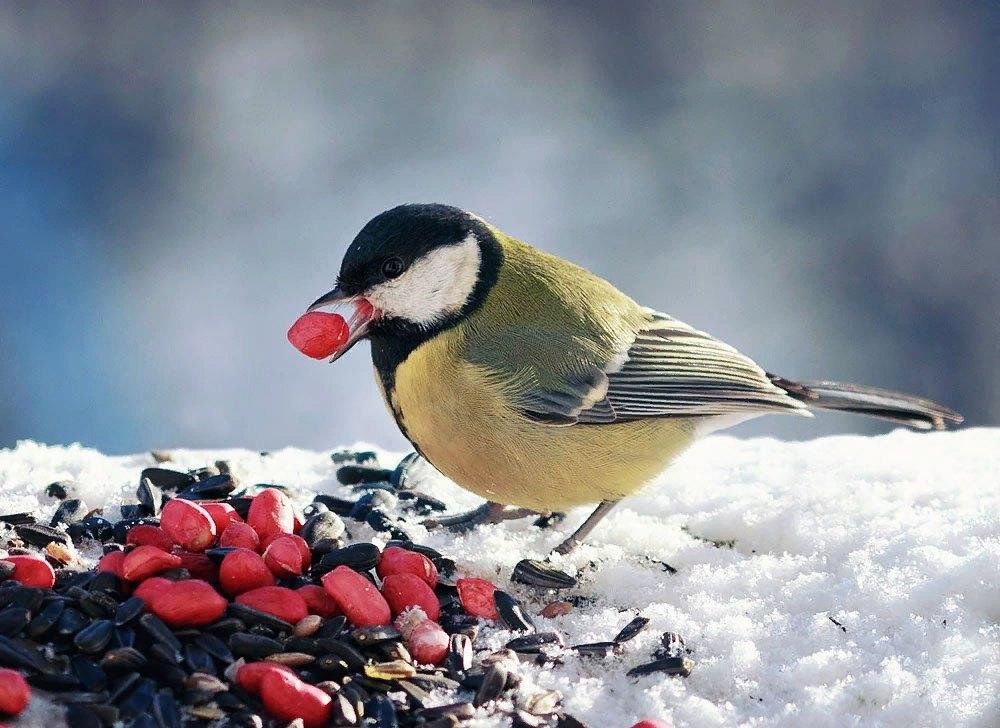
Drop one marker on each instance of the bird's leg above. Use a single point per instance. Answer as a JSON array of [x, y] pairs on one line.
[[585, 528], [488, 512]]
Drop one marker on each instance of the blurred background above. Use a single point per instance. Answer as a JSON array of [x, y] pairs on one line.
[[815, 183]]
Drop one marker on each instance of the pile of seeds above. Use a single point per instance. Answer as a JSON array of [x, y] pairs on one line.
[[222, 606]]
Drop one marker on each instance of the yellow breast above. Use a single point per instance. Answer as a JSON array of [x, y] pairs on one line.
[[459, 420]]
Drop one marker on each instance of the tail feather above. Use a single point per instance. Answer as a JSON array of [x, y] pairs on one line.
[[882, 403]]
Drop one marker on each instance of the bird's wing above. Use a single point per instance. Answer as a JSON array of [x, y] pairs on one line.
[[669, 369]]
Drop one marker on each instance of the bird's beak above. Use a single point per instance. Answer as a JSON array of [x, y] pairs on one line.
[[357, 311]]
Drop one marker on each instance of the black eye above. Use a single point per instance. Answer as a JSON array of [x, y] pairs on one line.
[[392, 267]]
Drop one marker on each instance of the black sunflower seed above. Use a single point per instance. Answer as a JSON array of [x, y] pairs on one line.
[[493, 685], [400, 477], [540, 574], [6, 569], [359, 556], [533, 643], [80, 697], [255, 617], [365, 636], [340, 506], [596, 649], [215, 647], [99, 604], [123, 659], [342, 711], [95, 637], [165, 479], [630, 630], [41, 536], [681, 666], [69, 511], [13, 620], [160, 632], [226, 626], [511, 612], [60, 489], [123, 637], [369, 501], [196, 658], [150, 497], [332, 628], [459, 660], [88, 672], [79, 715], [461, 711], [71, 621], [92, 527], [139, 700], [673, 643], [381, 712], [352, 474], [166, 711], [56, 681], [252, 646], [383, 523], [46, 618], [106, 581], [129, 610], [213, 488], [16, 519]]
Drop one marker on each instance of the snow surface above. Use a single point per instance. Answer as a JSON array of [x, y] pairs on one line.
[[897, 538]]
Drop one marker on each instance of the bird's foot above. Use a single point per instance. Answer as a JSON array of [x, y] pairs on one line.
[[487, 513]]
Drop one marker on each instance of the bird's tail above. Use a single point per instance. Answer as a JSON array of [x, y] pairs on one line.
[[883, 403]]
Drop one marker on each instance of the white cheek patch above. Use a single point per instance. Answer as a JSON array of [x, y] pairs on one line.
[[435, 286]]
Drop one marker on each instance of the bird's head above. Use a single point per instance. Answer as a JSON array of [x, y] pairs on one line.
[[411, 271]]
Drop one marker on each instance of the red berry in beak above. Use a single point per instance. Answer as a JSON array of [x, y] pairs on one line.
[[243, 570], [396, 560], [357, 597], [188, 524], [277, 600], [476, 596], [143, 562], [32, 571], [406, 590], [318, 334], [287, 697], [271, 514], [241, 536], [188, 603], [15, 694]]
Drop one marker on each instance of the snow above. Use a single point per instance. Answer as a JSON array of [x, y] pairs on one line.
[[896, 538]]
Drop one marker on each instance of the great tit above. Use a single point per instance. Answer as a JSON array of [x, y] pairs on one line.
[[539, 386]]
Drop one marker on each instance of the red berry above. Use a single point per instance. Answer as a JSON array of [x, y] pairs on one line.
[[283, 603], [318, 601], [188, 603], [188, 524], [396, 560], [222, 514], [15, 694], [143, 562], [240, 535], [357, 597], [406, 590], [651, 723], [476, 596], [151, 589], [271, 513], [148, 535], [111, 561], [287, 698], [318, 334], [32, 571], [249, 675], [283, 556], [243, 570]]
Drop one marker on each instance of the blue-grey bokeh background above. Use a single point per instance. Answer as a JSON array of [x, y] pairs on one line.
[[815, 183]]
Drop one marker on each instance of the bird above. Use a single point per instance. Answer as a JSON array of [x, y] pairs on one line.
[[540, 386]]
